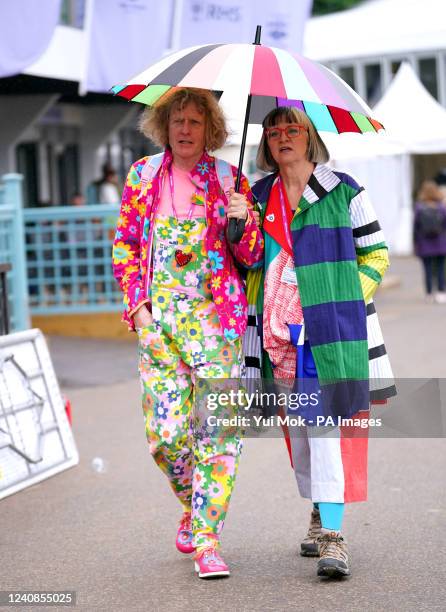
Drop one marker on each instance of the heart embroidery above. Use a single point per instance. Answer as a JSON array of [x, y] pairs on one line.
[[182, 258], [270, 217]]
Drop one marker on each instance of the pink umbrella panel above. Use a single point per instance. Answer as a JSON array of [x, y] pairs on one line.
[[274, 78]]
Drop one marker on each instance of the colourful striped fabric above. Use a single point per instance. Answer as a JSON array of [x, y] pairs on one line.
[[274, 77], [340, 257]]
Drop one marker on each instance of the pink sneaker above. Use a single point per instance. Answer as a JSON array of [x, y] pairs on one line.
[[184, 535], [209, 564]]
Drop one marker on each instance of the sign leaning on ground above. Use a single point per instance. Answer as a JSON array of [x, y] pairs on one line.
[[36, 440]]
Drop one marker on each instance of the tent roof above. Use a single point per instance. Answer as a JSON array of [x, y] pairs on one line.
[[376, 28], [411, 115]]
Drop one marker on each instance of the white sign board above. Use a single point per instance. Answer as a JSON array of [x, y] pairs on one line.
[[36, 440]]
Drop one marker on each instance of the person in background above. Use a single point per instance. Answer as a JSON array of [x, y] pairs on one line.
[[77, 199], [440, 180], [429, 234], [108, 187], [184, 297]]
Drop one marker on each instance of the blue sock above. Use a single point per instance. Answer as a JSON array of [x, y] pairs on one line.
[[331, 515]]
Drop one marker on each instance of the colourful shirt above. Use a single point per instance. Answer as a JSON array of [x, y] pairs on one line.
[[184, 192], [132, 248]]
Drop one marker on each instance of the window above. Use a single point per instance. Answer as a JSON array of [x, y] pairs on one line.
[[348, 74], [373, 83], [427, 68]]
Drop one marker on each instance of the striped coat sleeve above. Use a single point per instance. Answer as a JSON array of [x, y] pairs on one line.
[[371, 249]]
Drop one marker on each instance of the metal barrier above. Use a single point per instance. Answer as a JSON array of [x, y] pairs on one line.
[[68, 254]]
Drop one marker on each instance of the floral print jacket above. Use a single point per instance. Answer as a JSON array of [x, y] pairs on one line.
[[134, 236]]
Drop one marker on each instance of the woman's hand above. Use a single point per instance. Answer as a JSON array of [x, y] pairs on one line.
[[237, 206], [142, 317], [256, 215]]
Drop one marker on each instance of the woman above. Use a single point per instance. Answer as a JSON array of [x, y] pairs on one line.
[[430, 237], [185, 298], [325, 256]]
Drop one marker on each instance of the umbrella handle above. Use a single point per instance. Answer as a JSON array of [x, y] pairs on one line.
[[236, 227]]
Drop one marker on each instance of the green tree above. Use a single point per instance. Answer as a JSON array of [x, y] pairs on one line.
[[322, 7]]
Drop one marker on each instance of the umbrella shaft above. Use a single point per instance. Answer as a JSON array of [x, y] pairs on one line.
[[245, 126], [242, 149], [258, 34]]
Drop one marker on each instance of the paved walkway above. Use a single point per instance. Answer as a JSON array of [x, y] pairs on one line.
[[109, 535]]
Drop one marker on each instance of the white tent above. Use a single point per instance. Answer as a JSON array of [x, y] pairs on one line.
[[381, 164], [377, 28], [415, 124], [411, 115], [358, 146], [388, 181]]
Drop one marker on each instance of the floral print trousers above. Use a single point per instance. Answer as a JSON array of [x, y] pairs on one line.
[[183, 346]]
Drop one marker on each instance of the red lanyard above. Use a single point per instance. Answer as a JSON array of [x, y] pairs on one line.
[[285, 214]]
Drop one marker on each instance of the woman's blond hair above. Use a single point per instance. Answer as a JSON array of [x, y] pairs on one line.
[[430, 192], [154, 122], [317, 152]]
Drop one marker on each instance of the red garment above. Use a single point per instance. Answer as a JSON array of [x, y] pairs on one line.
[[282, 303]]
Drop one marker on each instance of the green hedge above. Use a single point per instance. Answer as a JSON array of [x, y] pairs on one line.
[[322, 7]]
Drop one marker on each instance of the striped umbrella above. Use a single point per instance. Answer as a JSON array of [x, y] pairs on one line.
[[255, 79], [274, 77]]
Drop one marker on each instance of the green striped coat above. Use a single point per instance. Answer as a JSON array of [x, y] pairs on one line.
[[340, 257]]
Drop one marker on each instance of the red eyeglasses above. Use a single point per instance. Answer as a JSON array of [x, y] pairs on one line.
[[291, 131]]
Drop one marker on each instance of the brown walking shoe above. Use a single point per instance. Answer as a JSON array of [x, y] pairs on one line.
[[309, 546], [334, 559]]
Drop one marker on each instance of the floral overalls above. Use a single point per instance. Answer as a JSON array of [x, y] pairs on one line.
[[184, 344]]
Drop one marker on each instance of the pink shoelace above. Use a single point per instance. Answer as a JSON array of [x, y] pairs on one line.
[[186, 522]]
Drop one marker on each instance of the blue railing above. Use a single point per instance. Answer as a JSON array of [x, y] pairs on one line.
[[68, 254], [12, 249], [60, 257]]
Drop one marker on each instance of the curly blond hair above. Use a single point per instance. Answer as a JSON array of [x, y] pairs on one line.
[[154, 122]]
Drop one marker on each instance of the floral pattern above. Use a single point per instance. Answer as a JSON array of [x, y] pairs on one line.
[[132, 249], [185, 344]]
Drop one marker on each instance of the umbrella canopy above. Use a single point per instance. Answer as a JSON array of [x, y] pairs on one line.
[[255, 79], [273, 77]]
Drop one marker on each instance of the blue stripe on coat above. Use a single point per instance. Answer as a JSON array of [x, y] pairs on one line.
[[348, 180], [261, 188], [313, 244], [350, 318], [345, 398]]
